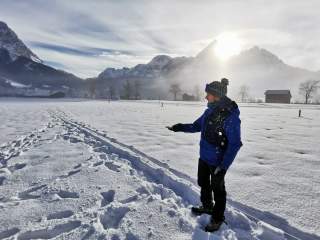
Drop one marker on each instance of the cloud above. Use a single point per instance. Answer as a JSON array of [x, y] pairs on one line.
[[81, 51], [88, 66], [55, 64], [85, 37]]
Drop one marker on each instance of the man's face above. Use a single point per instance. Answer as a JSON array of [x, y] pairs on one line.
[[212, 98]]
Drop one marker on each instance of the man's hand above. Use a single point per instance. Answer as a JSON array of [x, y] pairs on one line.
[[176, 128], [219, 170]]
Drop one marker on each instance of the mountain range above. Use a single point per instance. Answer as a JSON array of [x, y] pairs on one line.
[[22, 72]]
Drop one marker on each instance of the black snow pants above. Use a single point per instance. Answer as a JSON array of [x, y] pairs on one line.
[[209, 183]]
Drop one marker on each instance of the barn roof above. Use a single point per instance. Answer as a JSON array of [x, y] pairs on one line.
[[278, 92]]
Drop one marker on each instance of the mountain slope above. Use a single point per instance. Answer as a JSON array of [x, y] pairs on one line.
[[255, 67], [150, 70], [37, 78], [22, 73], [16, 48]]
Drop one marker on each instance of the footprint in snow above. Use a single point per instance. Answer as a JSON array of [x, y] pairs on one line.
[[263, 163], [77, 166], [130, 199], [9, 233], [108, 197], [75, 140], [112, 217], [131, 236], [50, 233], [73, 172], [25, 195], [172, 213], [112, 166], [2, 178], [103, 156], [67, 194], [98, 163], [253, 174], [115, 237], [301, 152], [143, 190], [99, 149], [89, 233], [60, 215]]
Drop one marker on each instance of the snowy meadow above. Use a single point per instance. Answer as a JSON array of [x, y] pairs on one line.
[[75, 169]]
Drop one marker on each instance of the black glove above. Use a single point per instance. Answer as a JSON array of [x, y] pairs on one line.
[[176, 128]]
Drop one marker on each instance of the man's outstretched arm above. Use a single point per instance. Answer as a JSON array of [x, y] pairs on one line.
[[189, 127]]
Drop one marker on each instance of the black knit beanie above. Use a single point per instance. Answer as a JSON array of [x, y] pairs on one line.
[[218, 88]]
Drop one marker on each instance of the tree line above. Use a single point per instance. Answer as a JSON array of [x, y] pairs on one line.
[[131, 90], [307, 89]]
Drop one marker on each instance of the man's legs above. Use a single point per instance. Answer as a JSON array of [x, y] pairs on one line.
[[220, 195], [205, 184]]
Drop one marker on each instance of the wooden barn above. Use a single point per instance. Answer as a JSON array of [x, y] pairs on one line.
[[277, 96]]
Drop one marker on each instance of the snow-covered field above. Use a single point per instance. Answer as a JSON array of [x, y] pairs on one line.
[[73, 169]]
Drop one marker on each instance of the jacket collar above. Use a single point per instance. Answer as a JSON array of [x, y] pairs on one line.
[[223, 102]]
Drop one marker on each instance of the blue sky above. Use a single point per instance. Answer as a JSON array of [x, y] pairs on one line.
[[85, 37]]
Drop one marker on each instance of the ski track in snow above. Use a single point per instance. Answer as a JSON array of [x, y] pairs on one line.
[[110, 191]]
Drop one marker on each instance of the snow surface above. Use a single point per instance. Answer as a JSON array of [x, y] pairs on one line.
[[97, 170]]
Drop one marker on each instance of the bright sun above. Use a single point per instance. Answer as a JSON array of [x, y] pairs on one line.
[[227, 45]]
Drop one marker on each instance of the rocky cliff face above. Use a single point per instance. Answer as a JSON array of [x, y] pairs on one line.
[[16, 48], [22, 72]]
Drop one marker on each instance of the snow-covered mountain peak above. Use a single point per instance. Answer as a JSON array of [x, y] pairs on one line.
[[16, 48], [160, 61], [3, 25], [149, 70], [259, 55], [114, 73]]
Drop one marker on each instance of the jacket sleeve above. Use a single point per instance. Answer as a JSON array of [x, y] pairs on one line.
[[193, 127], [233, 133]]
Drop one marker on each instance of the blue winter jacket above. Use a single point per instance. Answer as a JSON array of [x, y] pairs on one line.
[[213, 154]]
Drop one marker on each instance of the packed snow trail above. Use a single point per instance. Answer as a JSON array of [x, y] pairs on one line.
[[76, 183], [267, 222]]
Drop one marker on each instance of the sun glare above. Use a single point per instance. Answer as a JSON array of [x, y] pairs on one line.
[[227, 45]]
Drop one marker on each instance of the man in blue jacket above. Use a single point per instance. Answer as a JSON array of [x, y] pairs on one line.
[[220, 142]]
